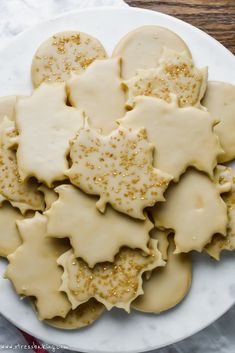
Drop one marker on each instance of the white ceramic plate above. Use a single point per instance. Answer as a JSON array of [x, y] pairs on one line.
[[213, 288]]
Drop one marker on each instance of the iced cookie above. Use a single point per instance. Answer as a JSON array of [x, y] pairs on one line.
[[63, 54], [176, 74], [194, 210], [168, 285], [220, 101], [94, 237], [98, 92], [46, 125], [9, 234], [118, 168], [143, 47], [50, 196], [112, 284], [182, 137], [33, 269], [23, 195], [219, 242], [84, 315], [7, 107]]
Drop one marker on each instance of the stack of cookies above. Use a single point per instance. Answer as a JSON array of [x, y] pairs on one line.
[[110, 176]]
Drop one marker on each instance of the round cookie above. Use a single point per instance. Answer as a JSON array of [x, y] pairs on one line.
[[143, 47], [64, 53], [83, 316], [167, 285], [220, 101]]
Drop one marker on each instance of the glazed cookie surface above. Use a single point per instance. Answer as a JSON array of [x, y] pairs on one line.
[[46, 125], [194, 210], [84, 315], [118, 168], [63, 54], [182, 137], [167, 286], [114, 284], [143, 47], [33, 269], [220, 101], [9, 236], [98, 240], [23, 195], [175, 74], [102, 82]]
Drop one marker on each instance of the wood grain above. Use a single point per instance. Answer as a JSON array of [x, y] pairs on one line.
[[216, 17]]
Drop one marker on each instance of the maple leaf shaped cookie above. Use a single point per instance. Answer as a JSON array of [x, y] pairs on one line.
[[45, 124], [118, 167], [227, 242], [95, 237], [33, 269], [113, 284], [176, 74], [182, 137], [88, 91], [23, 195], [194, 210]]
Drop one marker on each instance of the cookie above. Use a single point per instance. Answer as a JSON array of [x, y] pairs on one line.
[[65, 53], [220, 101], [168, 285], [114, 284], [46, 125], [50, 196], [23, 195], [182, 137], [94, 237], [176, 74], [9, 235], [118, 168], [84, 315], [98, 92], [7, 107], [33, 270], [220, 243], [194, 210], [143, 47]]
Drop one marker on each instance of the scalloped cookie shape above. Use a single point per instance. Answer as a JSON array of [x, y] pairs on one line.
[[142, 48], [219, 242], [94, 237], [46, 125], [194, 210], [118, 168], [23, 195], [114, 284], [99, 94], [182, 137], [33, 269], [84, 315], [63, 54], [220, 101], [168, 285], [176, 74]]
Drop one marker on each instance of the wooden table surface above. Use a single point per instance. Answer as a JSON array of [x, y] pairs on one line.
[[216, 17]]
